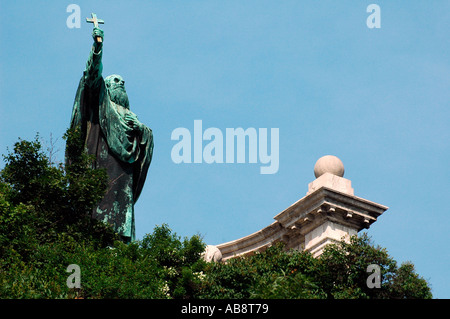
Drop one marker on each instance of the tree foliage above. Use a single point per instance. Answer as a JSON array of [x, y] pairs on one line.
[[55, 201], [46, 225], [339, 273]]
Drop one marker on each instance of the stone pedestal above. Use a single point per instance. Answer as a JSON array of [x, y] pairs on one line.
[[331, 181]]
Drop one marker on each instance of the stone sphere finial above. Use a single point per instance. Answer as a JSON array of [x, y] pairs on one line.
[[329, 164]]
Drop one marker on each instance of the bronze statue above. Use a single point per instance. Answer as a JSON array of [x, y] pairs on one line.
[[121, 144]]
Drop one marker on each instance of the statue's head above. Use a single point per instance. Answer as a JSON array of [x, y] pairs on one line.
[[115, 85]]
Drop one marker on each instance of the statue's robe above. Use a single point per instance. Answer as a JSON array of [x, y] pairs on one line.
[[124, 153]]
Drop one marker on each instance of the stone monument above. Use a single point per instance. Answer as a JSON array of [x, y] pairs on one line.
[[329, 212], [121, 144]]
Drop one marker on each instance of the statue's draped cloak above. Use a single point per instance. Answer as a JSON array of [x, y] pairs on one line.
[[126, 154]]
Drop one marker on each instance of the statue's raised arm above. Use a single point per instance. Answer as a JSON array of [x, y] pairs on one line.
[[94, 67]]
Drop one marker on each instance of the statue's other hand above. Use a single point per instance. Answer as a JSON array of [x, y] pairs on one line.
[[133, 122], [97, 32]]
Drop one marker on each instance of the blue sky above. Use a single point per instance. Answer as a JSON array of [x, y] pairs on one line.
[[376, 98]]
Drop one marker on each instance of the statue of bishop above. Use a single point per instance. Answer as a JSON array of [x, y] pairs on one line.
[[121, 144]]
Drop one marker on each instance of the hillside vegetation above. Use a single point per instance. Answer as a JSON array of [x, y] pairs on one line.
[[45, 226]]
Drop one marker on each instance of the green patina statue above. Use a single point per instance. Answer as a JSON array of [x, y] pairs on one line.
[[121, 144]]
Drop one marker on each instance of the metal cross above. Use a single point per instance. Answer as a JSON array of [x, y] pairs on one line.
[[95, 21]]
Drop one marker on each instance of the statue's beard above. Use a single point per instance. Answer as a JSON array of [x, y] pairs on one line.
[[119, 96]]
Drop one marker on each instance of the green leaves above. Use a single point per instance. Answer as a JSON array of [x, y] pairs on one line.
[[272, 274], [57, 198], [408, 284], [45, 226], [180, 260], [339, 273]]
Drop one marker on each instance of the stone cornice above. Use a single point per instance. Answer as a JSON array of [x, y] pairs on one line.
[[292, 224], [330, 202]]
